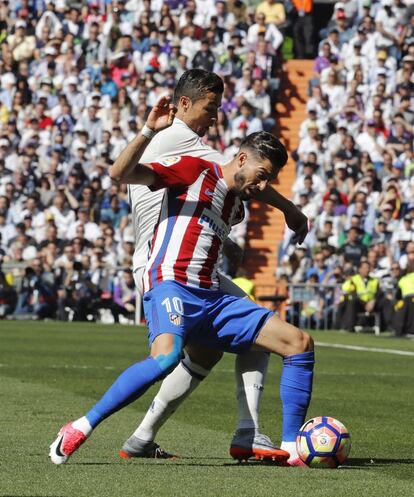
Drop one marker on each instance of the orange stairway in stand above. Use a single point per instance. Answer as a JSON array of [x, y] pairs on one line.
[[266, 225]]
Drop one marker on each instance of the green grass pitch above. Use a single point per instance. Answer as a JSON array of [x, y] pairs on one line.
[[53, 372]]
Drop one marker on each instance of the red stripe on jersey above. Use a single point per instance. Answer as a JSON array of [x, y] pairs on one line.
[[207, 269], [194, 229]]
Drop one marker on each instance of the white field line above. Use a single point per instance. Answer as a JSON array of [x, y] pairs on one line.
[[319, 344], [222, 371], [68, 366], [365, 349]]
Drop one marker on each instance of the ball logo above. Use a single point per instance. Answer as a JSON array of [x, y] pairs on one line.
[[323, 440]]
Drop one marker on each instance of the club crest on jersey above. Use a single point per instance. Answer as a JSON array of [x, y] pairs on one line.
[[170, 161], [175, 318]]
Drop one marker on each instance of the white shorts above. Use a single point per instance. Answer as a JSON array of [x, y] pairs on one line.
[[226, 285]]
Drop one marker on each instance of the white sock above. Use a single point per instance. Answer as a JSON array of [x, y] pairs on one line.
[[82, 424], [291, 448], [251, 369], [176, 387]]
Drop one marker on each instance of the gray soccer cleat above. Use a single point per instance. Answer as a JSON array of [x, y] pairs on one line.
[[248, 443], [135, 447]]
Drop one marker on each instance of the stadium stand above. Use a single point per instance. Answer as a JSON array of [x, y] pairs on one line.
[[355, 165], [77, 80]]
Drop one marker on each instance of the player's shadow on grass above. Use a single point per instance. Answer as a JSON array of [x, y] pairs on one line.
[[353, 463], [374, 462]]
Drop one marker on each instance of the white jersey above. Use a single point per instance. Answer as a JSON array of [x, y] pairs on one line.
[[177, 140]]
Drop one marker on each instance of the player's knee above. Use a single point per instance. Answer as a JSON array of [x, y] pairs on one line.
[[169, 356], [308, 342], [304, 342], [168, 362]]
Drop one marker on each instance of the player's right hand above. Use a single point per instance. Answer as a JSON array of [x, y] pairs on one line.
[[297, 222], [162, 114]]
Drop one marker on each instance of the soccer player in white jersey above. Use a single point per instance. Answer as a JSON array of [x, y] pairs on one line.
[[182, 300], [197, 97]]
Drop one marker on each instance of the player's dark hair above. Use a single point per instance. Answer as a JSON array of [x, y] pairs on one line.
[[266, 146], [195, 83]]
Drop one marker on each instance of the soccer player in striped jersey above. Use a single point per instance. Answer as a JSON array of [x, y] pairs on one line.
[[197, 97], [183, 301]]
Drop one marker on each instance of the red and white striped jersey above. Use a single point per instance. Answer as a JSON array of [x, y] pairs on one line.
[[196, 216]]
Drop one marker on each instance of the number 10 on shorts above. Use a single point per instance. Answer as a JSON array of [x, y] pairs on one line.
[[177, 303]]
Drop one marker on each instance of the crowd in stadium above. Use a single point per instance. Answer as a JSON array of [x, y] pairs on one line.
[[78, 79], [355, 164]]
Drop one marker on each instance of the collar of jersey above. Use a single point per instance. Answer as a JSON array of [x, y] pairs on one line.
[[181, 123]]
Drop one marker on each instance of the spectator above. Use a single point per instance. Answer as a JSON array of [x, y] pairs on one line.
[[116, 214], [407, 258], [246, 122], [230, 64], [387, 24], [312, 310], [303, 28], [89, 228], [403, 322], [353, 249], [61, 213], [37, 293], [274, 12], [204, 58], [362, 293], [124, 296], [309, 169], [78, 297], [7, 292], [266, 29], [372, 143], [21, 44], [260, 100], [51, 237], [320, 268]]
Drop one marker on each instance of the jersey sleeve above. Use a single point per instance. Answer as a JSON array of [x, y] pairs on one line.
[[190, 144], [175, 172]]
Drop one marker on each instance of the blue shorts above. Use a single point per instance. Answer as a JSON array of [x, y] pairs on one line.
[[207, 317]]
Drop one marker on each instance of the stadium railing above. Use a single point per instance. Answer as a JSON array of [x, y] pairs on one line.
[[305, 305], [302, 304]]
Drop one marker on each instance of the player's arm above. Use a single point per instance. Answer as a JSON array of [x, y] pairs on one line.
[[126, 168], [295, 219]]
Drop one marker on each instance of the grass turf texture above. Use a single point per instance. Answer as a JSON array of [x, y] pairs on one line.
[[54, 372]]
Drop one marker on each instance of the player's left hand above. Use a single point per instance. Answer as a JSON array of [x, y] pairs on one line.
[[297, 222], [162, 114]]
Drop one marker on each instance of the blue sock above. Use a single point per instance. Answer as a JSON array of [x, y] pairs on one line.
[[295, 392], [130, 385]]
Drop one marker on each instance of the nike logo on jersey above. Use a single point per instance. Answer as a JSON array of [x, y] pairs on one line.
[[209, 192]]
